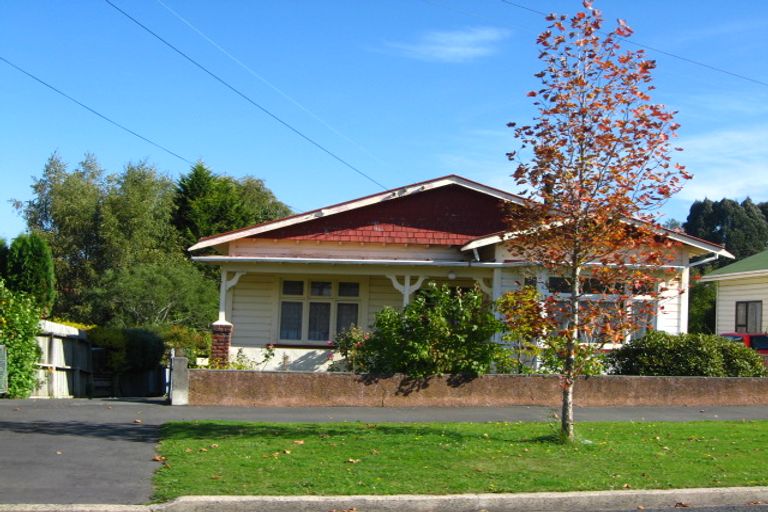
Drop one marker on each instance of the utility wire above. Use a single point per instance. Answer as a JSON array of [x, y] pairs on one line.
[[92, 111], [658, 50], [245, 97], [264, 80]]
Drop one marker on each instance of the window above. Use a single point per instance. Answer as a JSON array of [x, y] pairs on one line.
[[749, 316], [314, 311], [644, 317]]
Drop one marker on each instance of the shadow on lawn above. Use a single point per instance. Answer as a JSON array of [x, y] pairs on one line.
[[220, 430]]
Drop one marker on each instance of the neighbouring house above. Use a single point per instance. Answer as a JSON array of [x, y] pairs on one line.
[[295, 282], [742, 289]]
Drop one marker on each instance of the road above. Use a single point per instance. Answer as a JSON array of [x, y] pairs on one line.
[[100, 451]]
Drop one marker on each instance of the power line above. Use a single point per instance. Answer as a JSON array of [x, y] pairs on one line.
[[658, 50], [264, 80], [89, 109], [245, 97]]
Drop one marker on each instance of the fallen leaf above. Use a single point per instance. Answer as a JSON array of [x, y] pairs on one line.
[[299, 441], [353, 461], [287, 452], [680, 504], [374, 451], [188, 450], [627, 486], [138, 421], [215, 477], [203, 449], [214, 445], [640, 507], [159, 458]]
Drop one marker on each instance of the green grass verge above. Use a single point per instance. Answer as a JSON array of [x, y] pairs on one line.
[[216, 457]]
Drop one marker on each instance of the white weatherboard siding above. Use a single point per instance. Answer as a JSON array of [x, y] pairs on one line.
[[254, 310], [342, 250], [731, 291], [668, 314], [381, 294]]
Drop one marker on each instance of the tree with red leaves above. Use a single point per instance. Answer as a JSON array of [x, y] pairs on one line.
[[595, 166]]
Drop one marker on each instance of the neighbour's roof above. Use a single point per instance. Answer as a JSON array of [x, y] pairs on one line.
[[753, 266]]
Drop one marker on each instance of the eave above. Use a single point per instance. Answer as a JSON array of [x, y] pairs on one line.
[[734, 275], [222, 260]]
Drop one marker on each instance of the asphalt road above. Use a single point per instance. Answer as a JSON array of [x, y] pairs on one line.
[[100, 451]]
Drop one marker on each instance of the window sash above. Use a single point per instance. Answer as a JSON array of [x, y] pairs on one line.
[[749, 316], [291, 320], [347, 314], [319, 325]]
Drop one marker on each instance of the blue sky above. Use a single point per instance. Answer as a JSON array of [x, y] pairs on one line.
[[404, 90]]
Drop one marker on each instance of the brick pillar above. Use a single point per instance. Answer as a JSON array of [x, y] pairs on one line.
[[222, 339]]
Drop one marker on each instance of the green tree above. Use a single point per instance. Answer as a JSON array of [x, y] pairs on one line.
[[19, 319], [741, 227], [135, 222], [65, 211], [207, 204], [170, 291], [126, 233], [701, 308], [30, 270]]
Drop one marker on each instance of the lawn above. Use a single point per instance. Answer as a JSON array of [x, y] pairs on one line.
[[216, 457]]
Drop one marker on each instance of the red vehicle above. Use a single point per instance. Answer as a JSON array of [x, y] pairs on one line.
[[757, 342]]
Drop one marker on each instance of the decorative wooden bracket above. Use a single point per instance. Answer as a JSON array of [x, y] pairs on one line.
[[486, 288], [406, 288], [226, 285]]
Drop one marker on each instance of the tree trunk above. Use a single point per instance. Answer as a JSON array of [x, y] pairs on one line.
[[566, 414]]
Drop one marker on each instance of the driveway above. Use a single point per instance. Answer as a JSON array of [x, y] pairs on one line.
[[100, 451]]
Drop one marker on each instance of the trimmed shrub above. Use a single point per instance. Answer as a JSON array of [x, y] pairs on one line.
[[19, 320], [442, 331], [660, 353], [190, 342], [30, 270], [128, 350]]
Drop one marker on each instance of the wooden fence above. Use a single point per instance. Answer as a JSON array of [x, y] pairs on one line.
[[65, 369]]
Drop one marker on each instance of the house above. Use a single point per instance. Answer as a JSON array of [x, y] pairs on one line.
[[293, 283], [742, 289]]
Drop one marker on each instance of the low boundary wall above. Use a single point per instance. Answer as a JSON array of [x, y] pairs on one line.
[[288, 389]]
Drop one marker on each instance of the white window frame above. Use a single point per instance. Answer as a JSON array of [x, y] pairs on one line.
[[306, 298]]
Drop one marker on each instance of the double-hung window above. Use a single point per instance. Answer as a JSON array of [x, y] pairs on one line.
[[315, 310], [749, 316]]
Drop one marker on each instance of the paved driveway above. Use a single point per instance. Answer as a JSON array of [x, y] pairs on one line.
[[100, 451]]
